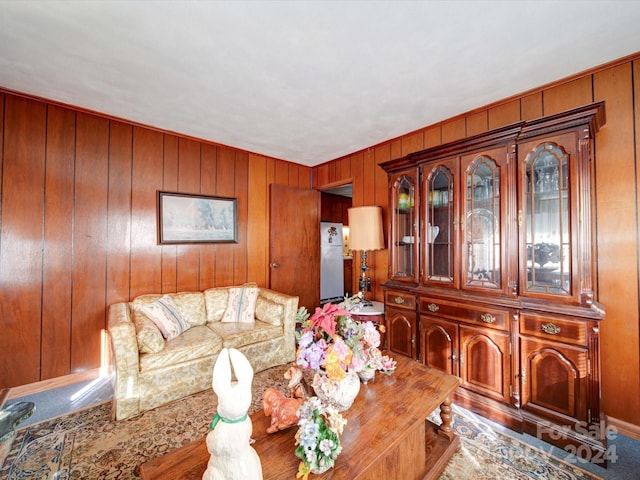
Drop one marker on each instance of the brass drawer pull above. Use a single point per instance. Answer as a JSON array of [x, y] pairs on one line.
[[550, 328], [433, 307], [399, 300], [487, 318]]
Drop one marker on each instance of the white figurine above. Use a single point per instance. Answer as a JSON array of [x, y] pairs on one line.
[[232, 456]]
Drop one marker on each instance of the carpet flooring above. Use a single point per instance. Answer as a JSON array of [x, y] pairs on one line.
[[87, 444]]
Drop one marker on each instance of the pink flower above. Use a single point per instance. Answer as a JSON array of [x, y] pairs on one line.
[[371, 334], [325, 318]]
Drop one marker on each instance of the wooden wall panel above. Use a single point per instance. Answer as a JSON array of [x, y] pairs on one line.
[[241, 175], [258, 222], [146, 172], [208, 176], [225, 187], [504, 114], [568, 95], [169, 253], [57, 271], [304, 177], [23, 170], [321, 175], [381, 198], [369, 176], [343, 170], [477, 123], [119, 205], [453, 130], [413, 143], [281, 172], [531, 106], [188, 182], [617, 244], [88, 316], [432, 137]]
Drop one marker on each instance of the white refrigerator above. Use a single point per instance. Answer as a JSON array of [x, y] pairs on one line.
[[331, 262]]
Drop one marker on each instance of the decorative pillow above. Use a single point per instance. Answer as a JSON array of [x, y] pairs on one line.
[[167, 317], [241, 305], [150, 339]]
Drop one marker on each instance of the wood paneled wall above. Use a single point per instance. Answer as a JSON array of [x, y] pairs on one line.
[[334, 208], [78, 227], [617, 197]]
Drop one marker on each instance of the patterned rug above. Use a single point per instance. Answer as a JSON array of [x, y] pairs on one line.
[[88, 445]]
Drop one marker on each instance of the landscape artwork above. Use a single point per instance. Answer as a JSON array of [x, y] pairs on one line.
[[185, 218]]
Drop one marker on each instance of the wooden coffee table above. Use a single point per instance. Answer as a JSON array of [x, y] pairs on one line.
[[387, 435]]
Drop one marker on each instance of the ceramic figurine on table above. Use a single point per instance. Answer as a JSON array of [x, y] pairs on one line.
[[228, 442], [283, 409]]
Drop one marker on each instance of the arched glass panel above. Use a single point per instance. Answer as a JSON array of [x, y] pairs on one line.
[[547, 232], [404, 259], [482, 224], [438, 231]]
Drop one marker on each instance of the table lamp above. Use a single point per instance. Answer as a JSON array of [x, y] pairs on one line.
[[365, 234]]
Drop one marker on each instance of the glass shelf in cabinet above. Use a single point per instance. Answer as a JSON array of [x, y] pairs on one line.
[[404, 211]]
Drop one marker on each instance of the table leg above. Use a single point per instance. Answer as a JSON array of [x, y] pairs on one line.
[[445, 429]]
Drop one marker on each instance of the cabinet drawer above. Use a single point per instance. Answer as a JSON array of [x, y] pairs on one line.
[[567, 330], [481, 315], [400, 299]]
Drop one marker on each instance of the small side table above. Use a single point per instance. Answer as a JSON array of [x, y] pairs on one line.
[[372, 313]]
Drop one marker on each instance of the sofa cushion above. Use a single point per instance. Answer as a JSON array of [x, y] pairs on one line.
[[215, 300], [167, 317], [268, 311], [195, 343], [191, 304], [149, 337], [241, 305], [236, 335]]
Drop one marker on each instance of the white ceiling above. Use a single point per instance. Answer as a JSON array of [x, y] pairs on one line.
[[304, 81]]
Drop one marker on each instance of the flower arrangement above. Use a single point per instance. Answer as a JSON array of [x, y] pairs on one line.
[[318, 437], [333, 342]]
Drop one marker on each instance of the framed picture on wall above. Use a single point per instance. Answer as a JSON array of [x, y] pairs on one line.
[[186, 218]]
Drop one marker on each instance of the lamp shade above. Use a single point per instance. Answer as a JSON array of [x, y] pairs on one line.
[[365, 228]]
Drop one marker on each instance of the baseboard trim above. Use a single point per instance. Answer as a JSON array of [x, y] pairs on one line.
[[57, 382], [625, 428]]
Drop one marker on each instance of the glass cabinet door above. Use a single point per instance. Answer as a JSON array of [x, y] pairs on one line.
[[481, 221], [404, 227], [545, 220], [439, 227]]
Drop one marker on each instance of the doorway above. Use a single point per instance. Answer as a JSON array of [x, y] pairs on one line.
[[334, 206]]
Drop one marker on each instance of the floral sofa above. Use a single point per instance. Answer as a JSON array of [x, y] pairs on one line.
[[164, 346]]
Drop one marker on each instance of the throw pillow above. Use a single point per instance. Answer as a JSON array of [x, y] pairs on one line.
[[241, 305], [167, 317], [150, 339]]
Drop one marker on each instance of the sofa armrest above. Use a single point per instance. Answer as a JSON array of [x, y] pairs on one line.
[[124, 346], [290, 308]]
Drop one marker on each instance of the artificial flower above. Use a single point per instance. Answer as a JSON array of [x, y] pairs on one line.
[[324, 320], [318, 436]]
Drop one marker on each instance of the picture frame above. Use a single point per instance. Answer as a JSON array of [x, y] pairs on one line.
[[188, 218]]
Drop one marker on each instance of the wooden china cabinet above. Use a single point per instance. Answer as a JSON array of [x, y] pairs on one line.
[[491, 273]]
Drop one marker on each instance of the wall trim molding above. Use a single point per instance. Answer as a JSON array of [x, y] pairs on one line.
[[37, 387], [625, 428]]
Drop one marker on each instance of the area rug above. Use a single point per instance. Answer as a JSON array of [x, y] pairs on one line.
[[89, 445]]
